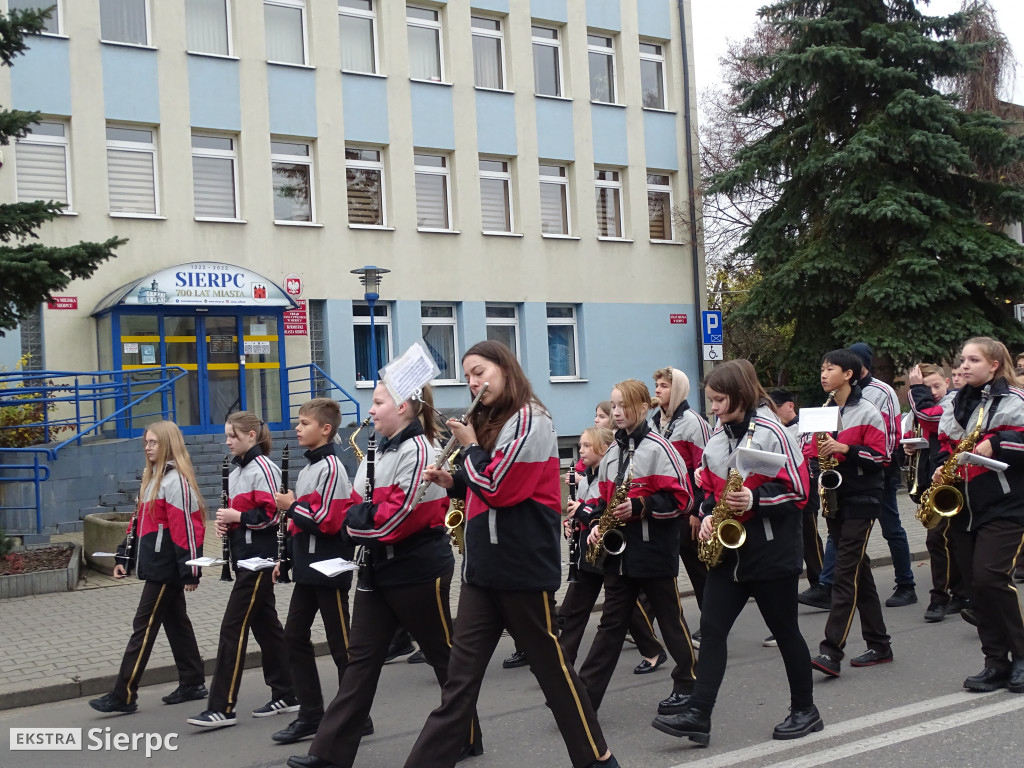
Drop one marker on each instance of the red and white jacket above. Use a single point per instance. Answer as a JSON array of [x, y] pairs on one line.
[[252, 484], [688, 433], [883, 397]]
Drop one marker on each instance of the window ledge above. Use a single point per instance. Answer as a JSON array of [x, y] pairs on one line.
[[430, 82], [567, 380], [615, 239], [208, 55], [447, 383], [126, 215], [492, 90], [667, 242], [128, 45], [560, 237], [363, 74], [608, 104], [659, 109], [439, 231], [503, 234], [212, 220], [364, 384], [297, 224], [290, 64], [553, 98], [58, 35], [377, 227], [66, 212]]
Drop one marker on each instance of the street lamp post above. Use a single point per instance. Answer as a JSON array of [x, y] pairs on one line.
[[370, 277]]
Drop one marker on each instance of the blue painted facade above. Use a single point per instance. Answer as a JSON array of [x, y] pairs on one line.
[[496, 123], [433, 126], [608, 124], [44, 77], [131, 89], [365, 101], [604, 14], [655, 18], [494, 6], [213, 93], [660, 140], [555, 138], [292, 95], [550, 10]]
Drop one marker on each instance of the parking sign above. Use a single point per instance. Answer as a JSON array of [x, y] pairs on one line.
[[711, 326]]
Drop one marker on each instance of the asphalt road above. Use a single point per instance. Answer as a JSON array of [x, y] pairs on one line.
[[912, 713]]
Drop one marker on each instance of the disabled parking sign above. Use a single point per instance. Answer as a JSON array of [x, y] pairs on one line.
[[711, 330]]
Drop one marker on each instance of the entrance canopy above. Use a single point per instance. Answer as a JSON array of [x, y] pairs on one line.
[[202, 284]]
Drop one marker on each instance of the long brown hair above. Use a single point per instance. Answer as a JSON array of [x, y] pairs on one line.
[[487, 420], [996, 351], [246, 422], [423, 409], [737, 380], [170, 448]]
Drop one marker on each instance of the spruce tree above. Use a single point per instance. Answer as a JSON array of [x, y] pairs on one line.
[[31, 271], [887, 227]]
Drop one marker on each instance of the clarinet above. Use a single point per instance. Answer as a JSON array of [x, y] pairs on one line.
[[574, 534], [364, 582], [225, 501], [283, 563], [129, 544]]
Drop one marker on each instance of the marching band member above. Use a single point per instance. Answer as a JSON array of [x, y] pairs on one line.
[[512, 563], [766, 567], [659, 494], [988, 533], [168, 531]]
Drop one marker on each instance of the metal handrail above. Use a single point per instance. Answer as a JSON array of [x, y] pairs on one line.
[[318, 380]]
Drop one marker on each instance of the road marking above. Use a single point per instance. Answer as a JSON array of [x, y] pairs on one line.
[[839, 729]]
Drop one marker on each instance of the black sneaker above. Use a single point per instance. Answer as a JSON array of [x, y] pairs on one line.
[[904, 594], [110, 703], [394, 651], [825, 663], [956, 604], [800, 723], [297, 729], [968, 615], [871, 657], [695, 640], [674, 704], [417, 658], [517, 659], [936, 612], [185, 693], [987, 680], [213, 719], [819, 596], [277, 707], [770, 642]]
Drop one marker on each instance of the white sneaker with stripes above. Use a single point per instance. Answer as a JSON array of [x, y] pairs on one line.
[[213, 719], [277, 707]]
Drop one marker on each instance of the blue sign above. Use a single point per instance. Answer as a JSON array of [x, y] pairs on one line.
[[711, 326]]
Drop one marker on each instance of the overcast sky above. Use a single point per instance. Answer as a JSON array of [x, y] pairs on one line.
[[715, 23]]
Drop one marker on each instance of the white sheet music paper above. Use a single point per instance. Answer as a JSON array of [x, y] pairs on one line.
[[407, 375], [820, 420], [205, 562], [751, 461], [104, 554], [334, 566], [917, 443], [982, 461], [256, 563]]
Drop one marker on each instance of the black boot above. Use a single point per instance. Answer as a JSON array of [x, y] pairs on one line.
[[693, 723], [800, 722]]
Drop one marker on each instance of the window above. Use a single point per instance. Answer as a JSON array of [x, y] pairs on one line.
[[43, 164], [361, 337], [364, 177], [292, 166], [357, 21], [425, 59], [659, 206], [503, 325], [601, 52], [562, 351], [214, 176], [206, 26], [433, 201], [554, 200], [52, 25], [124, 21], [131, 170], [439, 325], [495, 195], [652, 75], [285, 22], [609, 203], [547, 61], [488, 58]]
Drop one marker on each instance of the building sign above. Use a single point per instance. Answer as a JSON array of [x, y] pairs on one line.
[[295, 321], [677, 319], [293, 284], [206, 283], [257, 347], [63, 302]]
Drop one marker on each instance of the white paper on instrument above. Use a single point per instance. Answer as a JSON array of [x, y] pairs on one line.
[[205, 562], [820, 420], [405, 376], [916, 443], [104, 554], [256, 563], [334, 566], [982, 461], [751, 461]]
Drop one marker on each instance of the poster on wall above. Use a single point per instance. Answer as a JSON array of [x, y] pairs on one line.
[[295, 323]]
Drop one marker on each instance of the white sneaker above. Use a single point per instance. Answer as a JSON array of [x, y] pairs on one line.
[[280, 706]]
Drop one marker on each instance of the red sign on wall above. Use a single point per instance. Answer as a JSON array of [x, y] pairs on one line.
[[295, 321], [677, 319], [293, 284], [63, 302]]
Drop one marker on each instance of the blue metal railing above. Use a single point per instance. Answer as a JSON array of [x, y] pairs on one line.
[[312, 381]]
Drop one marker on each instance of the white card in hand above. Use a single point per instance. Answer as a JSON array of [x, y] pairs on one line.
[[982, 461], [819, 420]]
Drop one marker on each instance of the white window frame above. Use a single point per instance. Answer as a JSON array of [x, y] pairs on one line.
[[453, 323], [505, 322], [380, 321], [609, 52], [304, 30], [499, 35], [563, 182], [371, 16], [57, 17], [658, 59], [653, 187], [278, 157], [45, 140], [564, 321], [556, 43], [505, 177], [612, 184], [148, 148], [438, 25], [217, 154], [149, 29], [229, 31], [369, 165], [444, 171]]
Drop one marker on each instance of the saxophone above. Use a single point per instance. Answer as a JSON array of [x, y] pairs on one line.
[[829, 478], [455, 517], [942, 498], [611, 541], [726, 531], [352, 440]]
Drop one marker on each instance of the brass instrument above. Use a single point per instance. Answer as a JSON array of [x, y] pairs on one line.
[[942, 498], [914, 463], [355, 446], [455, 517], [829, 478], [726, 532], [611, 541]]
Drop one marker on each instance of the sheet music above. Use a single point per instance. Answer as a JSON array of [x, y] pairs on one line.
[[334, 566], [205, 562], [104, 554], [820, 420], [917, 443], [256, 563], [752, 461], [982, 461], [406, 375]]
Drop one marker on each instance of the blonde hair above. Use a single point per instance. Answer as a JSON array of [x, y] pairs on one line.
[[930, 369], [599, 437], [636, 399], [170, 448], [996, 351]]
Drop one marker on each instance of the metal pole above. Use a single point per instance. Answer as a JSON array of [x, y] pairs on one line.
[[371, 299]]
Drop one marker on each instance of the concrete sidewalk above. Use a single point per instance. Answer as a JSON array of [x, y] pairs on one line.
[[65, 645]]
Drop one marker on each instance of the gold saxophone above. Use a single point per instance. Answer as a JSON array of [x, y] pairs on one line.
[[611, 541], [455, 517], [942, 498], [726, 531], [829, 478], [352, 440]]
